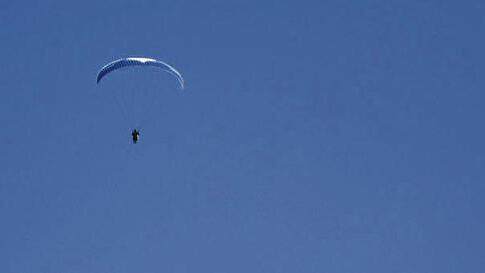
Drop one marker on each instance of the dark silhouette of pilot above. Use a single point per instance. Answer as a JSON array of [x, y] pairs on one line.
[[135, 135]]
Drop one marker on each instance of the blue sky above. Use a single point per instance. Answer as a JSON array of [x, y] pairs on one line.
[[313, 136]]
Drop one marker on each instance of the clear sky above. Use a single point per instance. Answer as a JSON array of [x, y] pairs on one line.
[[313, 136]]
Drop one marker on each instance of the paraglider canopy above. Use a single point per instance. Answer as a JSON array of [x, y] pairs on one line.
[[138, 61]]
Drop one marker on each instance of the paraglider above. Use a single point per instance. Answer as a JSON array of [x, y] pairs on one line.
[[135, 134], [136, 62]]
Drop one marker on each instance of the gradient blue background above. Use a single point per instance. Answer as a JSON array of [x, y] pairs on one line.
[[314, 136]]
